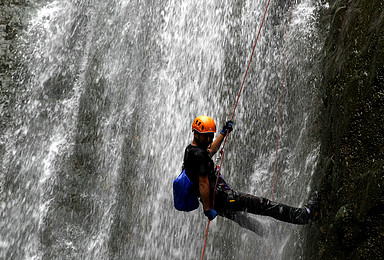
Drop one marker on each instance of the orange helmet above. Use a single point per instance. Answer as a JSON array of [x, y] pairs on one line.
[[204, 124]]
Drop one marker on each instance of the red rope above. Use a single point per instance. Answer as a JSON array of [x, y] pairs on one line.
[[281, 100], [233, 114], [205, 240], [278, 124]]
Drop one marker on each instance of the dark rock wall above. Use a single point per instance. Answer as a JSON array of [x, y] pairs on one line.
[[352, 156]]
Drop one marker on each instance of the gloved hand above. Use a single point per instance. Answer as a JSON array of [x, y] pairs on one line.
[[211, 214], [227, 127]]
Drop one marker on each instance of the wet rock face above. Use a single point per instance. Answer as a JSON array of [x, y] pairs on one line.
[[352, 165]]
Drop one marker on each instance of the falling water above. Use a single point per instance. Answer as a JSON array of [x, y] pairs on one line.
[[104, 98]]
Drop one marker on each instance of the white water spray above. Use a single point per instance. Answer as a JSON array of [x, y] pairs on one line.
[[107, 92]]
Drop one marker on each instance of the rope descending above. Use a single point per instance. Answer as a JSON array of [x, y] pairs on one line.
[[233, 114]]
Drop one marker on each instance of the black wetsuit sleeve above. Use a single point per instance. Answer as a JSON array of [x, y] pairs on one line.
[[201, 163], [197, 162]]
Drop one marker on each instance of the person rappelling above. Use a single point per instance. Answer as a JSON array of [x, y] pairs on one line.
[[200, 180]]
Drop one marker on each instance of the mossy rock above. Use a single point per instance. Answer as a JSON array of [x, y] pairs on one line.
[[352, 154]]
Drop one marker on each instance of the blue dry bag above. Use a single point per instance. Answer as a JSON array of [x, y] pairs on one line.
[[184, 198]]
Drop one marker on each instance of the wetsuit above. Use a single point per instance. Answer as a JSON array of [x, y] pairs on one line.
[[227, 201]]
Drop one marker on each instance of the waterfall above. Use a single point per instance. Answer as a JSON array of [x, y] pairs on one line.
[[105, 95]]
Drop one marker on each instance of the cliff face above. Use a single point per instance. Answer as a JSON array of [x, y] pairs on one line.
[[351, 170]]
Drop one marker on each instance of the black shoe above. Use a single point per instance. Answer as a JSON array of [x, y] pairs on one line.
[[313, 206]]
